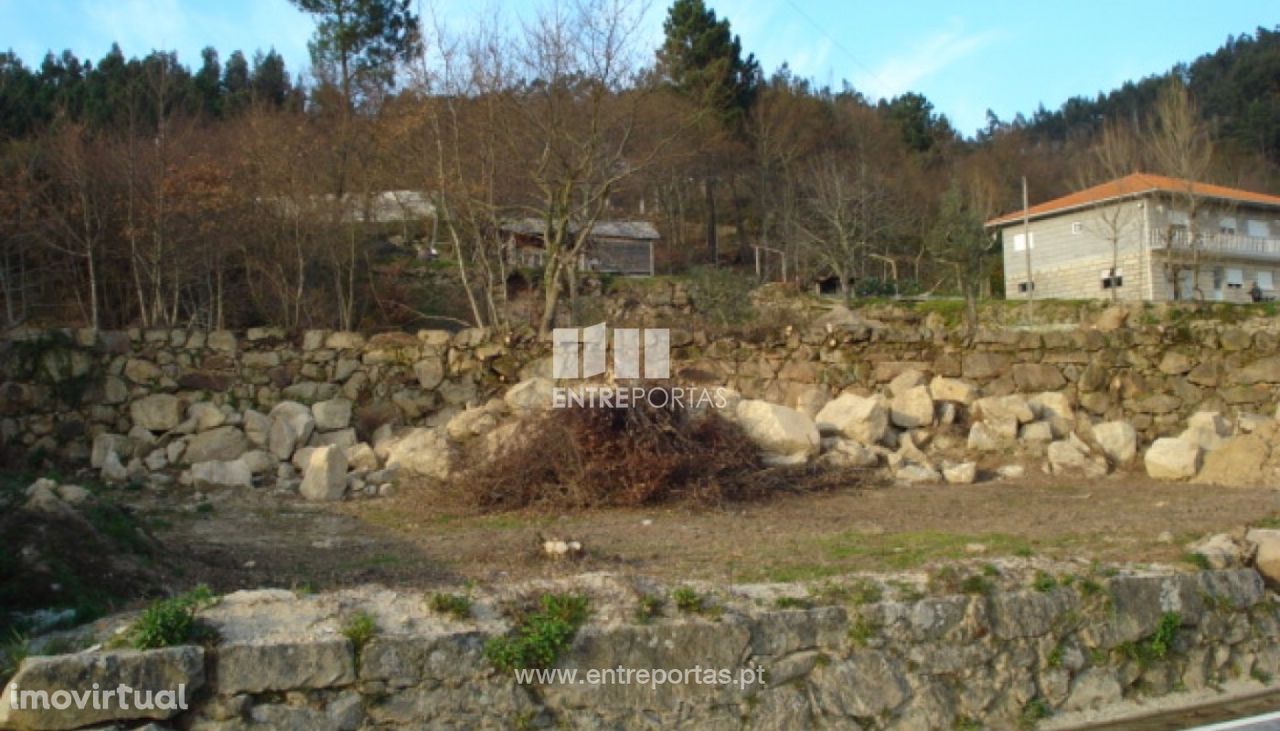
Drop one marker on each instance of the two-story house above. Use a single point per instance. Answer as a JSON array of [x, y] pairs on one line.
[[1145, 237]]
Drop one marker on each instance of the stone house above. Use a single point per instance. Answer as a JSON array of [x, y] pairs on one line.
[[1146, 237], [613, 247]]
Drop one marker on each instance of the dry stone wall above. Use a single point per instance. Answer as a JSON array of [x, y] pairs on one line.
[[1005, 660], [62, 389]]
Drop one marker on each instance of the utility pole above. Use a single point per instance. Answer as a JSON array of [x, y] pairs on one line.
[[1026, 249]]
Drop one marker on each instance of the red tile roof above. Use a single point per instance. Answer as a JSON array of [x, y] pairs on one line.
[[1131, 185]]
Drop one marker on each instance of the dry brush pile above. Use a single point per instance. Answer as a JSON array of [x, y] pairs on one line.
[[588, 458]]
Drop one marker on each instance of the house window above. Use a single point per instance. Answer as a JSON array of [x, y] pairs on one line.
[[1076, 228], [1265, 281], [1112, 278], [1227, 226], [1257, 229], [1179, 219], [1024, 286], [1020, 242], [1235, 278]]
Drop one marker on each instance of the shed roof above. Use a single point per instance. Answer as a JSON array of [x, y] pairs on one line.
[[640, 230]]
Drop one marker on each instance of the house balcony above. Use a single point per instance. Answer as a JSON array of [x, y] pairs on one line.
[[1218, 244]]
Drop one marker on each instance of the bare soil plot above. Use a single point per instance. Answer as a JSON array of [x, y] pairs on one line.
[[418, 538]]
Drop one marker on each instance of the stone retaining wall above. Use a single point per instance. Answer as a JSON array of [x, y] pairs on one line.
[[60, 390], [1004, 660]]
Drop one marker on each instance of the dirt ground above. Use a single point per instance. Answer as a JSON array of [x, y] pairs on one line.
[[238, 540]]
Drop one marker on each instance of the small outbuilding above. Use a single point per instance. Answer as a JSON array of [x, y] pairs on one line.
[[613, 247]]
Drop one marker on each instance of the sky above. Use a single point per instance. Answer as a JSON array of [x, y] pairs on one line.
[[966, 57]]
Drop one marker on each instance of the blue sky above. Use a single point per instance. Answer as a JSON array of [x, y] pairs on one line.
[[966, 57]]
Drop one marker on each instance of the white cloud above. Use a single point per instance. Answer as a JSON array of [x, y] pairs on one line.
[[813, 60], [931, 54]]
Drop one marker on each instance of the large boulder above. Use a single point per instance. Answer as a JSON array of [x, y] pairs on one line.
[[223, 444], [1267, 558], [840, 452], [362, 457], [952, 389], [260, 462], [1223, 551], [1004, 408], [1072, 456], [1206, 429], [911, 473], [1118, 440], [1172, 459], [1054, 408], [906, 380], [257, 427], [530, 395], [206, 416], [161, 673], [326, 474], [963, 473], [912, 408], [332, 414], [777, 430], [1037, 432], [423, 452], [1238, 462], [470, 423], [863, 419], [217, 473], [157, 412], [985, 438], [291, 426]]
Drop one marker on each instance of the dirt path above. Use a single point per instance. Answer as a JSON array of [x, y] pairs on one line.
[[417, 539]]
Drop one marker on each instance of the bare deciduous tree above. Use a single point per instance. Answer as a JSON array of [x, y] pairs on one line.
[[1113, 156], [1180, 144], [846, 211]]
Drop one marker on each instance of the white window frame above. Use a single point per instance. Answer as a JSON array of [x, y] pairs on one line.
[[1111, 281], [1265, 280], [1019, 242], [1022, 286], [1077, 228], [1179, 218], [1234, 278], [1227, 225], [1257, 229]]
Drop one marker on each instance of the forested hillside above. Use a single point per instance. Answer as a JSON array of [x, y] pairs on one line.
[[1237, 86], [234, 191]]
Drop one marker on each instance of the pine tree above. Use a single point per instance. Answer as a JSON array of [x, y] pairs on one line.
[[270, 81], [361, 40], [207, 82], [702, 58]]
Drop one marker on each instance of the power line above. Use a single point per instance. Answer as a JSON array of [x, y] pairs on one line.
[[839, 46]]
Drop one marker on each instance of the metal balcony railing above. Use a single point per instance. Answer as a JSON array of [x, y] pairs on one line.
[[1217, 243]]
